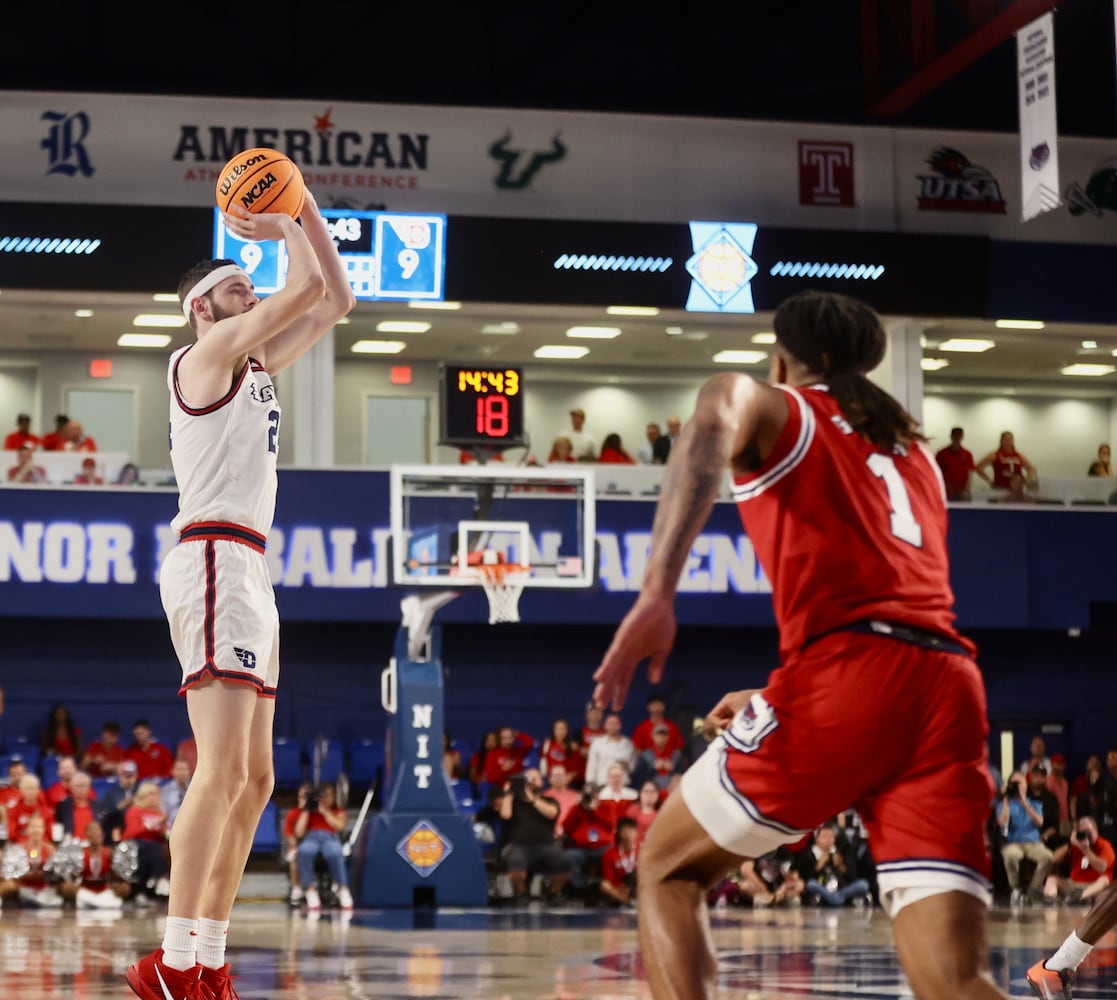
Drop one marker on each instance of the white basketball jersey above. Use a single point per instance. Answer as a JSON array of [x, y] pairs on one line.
[[224, 454]]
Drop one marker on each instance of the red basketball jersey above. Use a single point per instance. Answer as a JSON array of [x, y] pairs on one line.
[[844, 531]]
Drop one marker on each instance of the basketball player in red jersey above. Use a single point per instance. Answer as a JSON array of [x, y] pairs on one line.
[[878, 703], [215, 584]]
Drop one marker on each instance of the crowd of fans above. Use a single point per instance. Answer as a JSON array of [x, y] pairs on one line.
[[68, 436]]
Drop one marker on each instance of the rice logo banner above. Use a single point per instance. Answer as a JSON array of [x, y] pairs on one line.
[[1039, 151]]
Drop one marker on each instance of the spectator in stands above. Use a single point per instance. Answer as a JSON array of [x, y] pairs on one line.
[[129, 475], [78, 809], [957, 465], [657, 715], [97, 886], [508, 756], [75, 438], [56, 440], [617, 794], [613, 452], [645, 455], [173, 792], [529, 816], [618, 865], [585, 444], [1058, 786], [657, 763], [1101, 466], [187, 750], [452, 762], [317, 827], [21, 435], [152, 758], [25, 470], [782, 883], [102, 757], [663, 445], [61, 735], [145, 824], [89, 476], [561, 748], [559, 788], [1005, 462], [593, 727], [1091, 865], [1083, 790], [701, 738], [12, 793], [588, 832], [33, 888], [67, 768], [1106, 795], [645, 809], [479, 761], [1037, 754], [829, 871], [562, 450], [606, 750], [1021, 818], [1017, 492], [1039, 792], [31, 802], [117, 799]]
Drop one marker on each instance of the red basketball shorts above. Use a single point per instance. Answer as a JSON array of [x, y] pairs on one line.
[[892, 729]]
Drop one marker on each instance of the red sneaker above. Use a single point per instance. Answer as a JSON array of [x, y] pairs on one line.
[[1048, 984], [150, 979], [219, 983]]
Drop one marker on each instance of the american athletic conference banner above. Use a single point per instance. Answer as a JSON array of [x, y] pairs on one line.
[[1039, 150]]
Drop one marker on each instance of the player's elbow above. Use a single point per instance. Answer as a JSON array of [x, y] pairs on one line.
[[311, 290]]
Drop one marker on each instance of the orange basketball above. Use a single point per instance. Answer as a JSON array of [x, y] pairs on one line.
[[261, 180]]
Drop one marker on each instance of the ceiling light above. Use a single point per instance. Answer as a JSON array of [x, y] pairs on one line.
[[594, 332], [673, 331], [168, 320], [505, 329], [344, 321], [561, 351], [766, 337], [933, 364], [164, 297], [433, 304], [1019, 324], [965, 345], [83, 313], [143, 340], [740, 357], [402, 326], [378, 347], [1089, 345], [632, 311], [1089, 370]]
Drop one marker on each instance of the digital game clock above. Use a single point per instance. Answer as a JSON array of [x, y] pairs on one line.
[[481, 406]]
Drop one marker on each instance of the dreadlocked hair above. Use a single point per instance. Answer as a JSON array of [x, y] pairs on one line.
[[841, 339]]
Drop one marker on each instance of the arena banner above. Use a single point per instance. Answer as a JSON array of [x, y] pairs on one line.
[[1039, 133], [148, 150], [96, 553]]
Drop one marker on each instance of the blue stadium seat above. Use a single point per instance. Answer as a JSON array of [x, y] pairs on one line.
[[366, 762], [331, 764], [287, 757], [48, 771], [267, 838], [463, 797], [21, 746], [102, 785]]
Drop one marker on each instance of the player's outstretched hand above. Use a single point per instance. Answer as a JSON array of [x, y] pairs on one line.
[[256, 226], [646, 633], [721, 715]]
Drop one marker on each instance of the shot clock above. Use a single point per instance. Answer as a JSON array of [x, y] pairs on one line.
[[482, 406]]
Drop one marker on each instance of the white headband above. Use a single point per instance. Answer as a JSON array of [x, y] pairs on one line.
[[215, 277]]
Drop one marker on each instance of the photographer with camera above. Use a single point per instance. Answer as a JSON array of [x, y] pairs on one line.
[[590, 830], [1020, 817], [1091, 865], [529, 822], [316, 824]]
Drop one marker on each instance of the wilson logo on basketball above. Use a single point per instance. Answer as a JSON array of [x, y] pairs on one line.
[[228, 180]]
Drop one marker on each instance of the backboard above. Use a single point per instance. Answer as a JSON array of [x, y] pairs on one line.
[[449, 519]]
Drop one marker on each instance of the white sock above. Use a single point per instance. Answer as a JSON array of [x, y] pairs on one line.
[[211, 942], [1071, 954], [180, 943]]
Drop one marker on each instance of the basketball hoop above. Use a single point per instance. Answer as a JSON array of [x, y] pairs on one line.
[[503, 583]]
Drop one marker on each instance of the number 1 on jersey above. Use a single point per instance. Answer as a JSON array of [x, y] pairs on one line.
[[903, 523]]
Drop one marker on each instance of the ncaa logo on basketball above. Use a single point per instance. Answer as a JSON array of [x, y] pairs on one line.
[[424, 848], [261, 187]]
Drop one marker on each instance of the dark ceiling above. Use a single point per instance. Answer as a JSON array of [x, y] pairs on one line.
[[792, 59]]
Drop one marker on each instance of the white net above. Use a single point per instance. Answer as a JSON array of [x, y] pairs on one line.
[[503, 583]]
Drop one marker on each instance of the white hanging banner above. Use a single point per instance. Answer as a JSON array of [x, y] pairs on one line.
[[1039, 150]]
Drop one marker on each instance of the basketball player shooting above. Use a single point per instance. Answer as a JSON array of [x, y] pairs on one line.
[[214, 583], [877, 704]]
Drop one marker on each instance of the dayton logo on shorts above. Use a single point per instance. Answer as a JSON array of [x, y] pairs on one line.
[[246, 656]]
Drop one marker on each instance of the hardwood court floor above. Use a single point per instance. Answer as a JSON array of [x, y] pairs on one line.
[[527, 954]]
